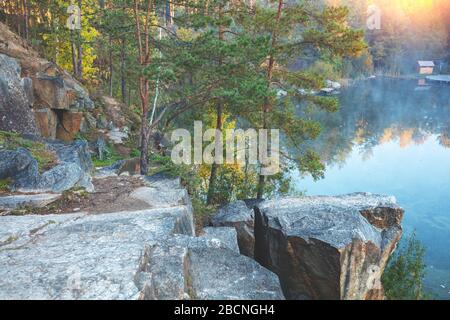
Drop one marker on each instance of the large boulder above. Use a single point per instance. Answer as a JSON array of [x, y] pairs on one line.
[[240, 217], [73, 169], [52, 86], [328, 247], [205, 268], [15, 106], [80, 256], [20, 166]]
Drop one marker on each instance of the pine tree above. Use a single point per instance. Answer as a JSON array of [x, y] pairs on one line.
[[298, 31]]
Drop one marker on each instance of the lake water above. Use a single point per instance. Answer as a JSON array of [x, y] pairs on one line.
[[393, 137]]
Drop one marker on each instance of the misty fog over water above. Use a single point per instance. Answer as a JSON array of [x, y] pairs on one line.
[[393, 137]]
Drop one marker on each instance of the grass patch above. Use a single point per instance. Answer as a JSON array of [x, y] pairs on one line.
[[45, 158], [4, 185], [110, 157]]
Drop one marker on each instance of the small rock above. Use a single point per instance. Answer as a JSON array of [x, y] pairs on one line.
[[117, 136], [161, 197], [227, 236], [33, 200], [240, 217], [333, 84]]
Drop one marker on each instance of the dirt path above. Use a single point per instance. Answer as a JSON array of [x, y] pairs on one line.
[[112, 194]]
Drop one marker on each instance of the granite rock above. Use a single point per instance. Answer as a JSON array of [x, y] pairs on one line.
[[328, 247]]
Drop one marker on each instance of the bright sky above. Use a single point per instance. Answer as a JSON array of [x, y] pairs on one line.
[[417, 11]]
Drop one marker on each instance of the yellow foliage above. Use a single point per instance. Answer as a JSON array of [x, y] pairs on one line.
[[88, 35], [186, 34]]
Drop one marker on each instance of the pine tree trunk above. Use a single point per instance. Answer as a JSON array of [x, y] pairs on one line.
[[143, 42], [74, 57], [144, 92], [25, 18], [267, 106], [261, 186], [111, 70], [80, 51], [214, 167], [16, 17], [123, 80]]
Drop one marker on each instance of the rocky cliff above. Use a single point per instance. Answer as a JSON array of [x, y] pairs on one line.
[[328, 247], [15, 102], [320, 247], [37, 95]]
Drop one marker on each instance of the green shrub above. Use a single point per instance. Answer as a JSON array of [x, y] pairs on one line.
[[404, 275], [326, 70], [135, 153], [110, 157], [4, 185]]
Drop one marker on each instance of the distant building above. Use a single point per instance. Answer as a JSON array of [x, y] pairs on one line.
[[426, 67]]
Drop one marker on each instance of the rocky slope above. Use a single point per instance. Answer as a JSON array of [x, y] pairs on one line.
[[146, 254], [134, 238], [39, 97]]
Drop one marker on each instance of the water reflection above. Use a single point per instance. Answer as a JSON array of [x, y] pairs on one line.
[[391, 138]]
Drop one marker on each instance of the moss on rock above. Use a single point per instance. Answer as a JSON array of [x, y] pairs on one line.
[[46, 158]]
